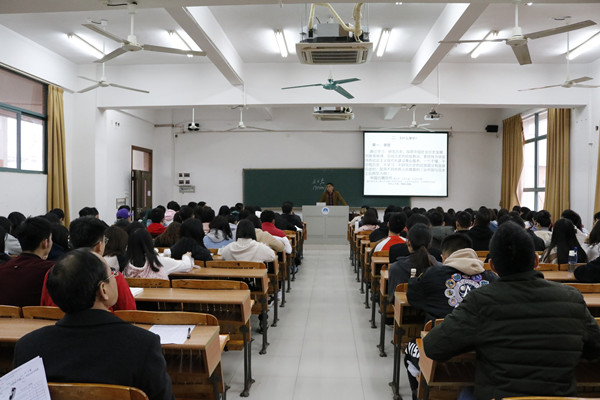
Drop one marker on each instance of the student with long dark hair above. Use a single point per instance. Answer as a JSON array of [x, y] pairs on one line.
[[170, 236], [563, 240], [115, 250], [144, 263], [418, 241], [191, 236]]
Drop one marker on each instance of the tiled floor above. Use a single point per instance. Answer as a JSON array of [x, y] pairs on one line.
[[323, 346]]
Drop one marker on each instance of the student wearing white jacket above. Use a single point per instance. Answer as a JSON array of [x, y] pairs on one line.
[[246, 248]]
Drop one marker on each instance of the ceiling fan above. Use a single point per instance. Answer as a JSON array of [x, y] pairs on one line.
[[103, 82], [413, 124], [242, 126], [568, 83], [130, 44], [518, 41], [330, 85]]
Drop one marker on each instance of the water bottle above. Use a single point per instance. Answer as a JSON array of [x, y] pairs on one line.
[[413, 272], [572, 259]]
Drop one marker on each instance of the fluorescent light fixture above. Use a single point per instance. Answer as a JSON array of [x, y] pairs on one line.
[[85, 45], [180, 41], [281, 43], [398, 3], [590, 43], [482, 47], [383, 41]]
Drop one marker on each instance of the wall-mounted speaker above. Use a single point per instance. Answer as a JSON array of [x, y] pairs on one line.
[[491, 128]]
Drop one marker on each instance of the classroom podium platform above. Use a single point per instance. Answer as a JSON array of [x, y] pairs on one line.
[[327, 224]]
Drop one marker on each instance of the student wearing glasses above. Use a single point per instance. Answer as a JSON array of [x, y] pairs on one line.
[[89, 232], [79, 348]]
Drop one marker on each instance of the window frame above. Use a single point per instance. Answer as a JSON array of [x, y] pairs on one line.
[[20, 112], [536, 139]]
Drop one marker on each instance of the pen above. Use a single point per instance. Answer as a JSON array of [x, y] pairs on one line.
[[189, 333], [12, 393]]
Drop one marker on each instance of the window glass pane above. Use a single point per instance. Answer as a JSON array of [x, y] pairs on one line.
[[543, 123], [527, 200], [22, 92], [527, 176], [32, 144], [540, 200], [542, 145], [529, 127], [8, 139], [141, 160]]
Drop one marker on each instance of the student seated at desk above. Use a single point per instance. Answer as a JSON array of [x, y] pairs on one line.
[[219, 235], [170, 236], [191, 240], [143, 263], [401, 249], [273, 242], [396, 225], [157, 215], [529, 333], [563, 240], [370, 221], [246, 248], [90, 344]]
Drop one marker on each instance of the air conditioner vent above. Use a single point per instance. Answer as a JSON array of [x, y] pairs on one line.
[[334, 53]]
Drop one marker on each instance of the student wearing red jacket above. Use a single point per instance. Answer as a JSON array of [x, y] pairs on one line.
[[267, 218], [89, 232]]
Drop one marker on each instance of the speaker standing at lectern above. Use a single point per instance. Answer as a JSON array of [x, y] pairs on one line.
[[332, 197]]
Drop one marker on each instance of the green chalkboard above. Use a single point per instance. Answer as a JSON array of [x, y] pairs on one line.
[[271, 187]]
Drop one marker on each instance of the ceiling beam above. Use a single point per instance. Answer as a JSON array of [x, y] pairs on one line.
[[390, 112], [202, 26], [452, 24]]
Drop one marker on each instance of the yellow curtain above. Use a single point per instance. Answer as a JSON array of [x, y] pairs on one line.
[[512, 160], [557, 170], [597, 197], [58, 195]]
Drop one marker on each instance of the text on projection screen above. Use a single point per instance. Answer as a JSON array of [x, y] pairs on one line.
[[405, 163]]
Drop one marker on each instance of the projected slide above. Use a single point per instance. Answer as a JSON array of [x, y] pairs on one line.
[[406, 164]]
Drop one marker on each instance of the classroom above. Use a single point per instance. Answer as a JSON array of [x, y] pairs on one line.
[[246, 121]]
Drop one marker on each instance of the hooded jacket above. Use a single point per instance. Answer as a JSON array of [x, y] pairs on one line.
[[215, 239], [245, 249], [442, 288]]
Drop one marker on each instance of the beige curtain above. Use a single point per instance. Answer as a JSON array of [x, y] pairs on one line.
[[512, 160], [557, 170], [58, 196]]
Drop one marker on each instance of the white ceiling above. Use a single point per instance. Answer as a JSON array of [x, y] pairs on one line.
[[248, 26]]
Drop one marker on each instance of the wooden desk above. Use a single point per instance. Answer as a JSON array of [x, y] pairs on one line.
[[559, 276], [231, 307], [194, 366]]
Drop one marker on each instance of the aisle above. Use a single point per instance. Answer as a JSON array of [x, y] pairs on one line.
[[323, 346]]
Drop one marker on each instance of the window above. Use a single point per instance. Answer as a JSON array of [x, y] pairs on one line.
[[22, 123], [533, 177]]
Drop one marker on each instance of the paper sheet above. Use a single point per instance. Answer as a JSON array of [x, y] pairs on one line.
[[27, 382], [136, 290], [175, 334]]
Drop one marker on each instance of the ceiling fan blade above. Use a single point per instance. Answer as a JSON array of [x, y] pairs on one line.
[[522, 54], [582, 79], [301, 86], [109, 35], [343, 92], [586, 86], [345, 81], [112, 55], [171, 50], [87, 89], [87, 79], [471, 41], [258, 129], [128, 88], [560, 29], [541, 87]]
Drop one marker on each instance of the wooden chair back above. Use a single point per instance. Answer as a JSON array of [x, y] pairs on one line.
[[585, 287], [148, 282], [94, 391], [482, 254], [161, 249], [429, 324], [565, 267], [166, 318], [42, 312], [547, 267], [214, 251], [10, 312], [235, 264], [209, 284]]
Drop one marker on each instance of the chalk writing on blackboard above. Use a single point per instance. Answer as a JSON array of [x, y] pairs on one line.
[[318, 184]]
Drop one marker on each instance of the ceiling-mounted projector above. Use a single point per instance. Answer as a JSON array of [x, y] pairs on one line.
[[333, 113], [432, 115], [193, 127]]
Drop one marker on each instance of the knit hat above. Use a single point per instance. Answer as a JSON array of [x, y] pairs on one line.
[[124, 213]]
